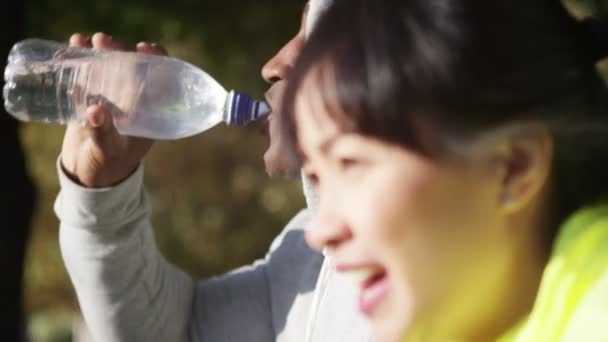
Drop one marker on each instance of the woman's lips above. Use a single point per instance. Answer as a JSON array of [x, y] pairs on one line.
[[373, 291], [373, 285]]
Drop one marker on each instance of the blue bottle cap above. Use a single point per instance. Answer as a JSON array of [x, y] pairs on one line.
[[243, 109]]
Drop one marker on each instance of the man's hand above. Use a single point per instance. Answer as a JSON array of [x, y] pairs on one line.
[[94, 154]]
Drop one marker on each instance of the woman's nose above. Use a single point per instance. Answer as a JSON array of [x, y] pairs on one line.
[[327, 230]]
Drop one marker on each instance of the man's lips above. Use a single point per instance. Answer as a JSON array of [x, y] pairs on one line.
[[263, 124]]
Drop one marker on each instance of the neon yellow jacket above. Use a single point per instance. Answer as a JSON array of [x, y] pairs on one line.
[[572, 303]]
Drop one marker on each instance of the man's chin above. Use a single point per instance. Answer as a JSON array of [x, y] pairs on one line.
[[280, 167], [282, 172]]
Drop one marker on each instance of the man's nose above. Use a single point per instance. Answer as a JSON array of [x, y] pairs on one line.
[[279, 66], [276, 69], [327, 230]]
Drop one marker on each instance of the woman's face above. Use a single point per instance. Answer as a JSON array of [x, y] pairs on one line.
[[422, 238]]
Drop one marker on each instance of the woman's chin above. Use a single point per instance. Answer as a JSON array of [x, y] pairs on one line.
[[391, 319], [388, 330]]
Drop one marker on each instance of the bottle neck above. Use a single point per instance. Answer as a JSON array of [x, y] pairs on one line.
[[241, 109]]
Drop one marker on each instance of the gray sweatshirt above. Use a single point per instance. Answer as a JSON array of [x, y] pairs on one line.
[[128, 292]]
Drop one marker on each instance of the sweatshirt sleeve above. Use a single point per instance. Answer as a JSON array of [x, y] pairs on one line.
[[128, 292], [126, 289], [266, 301]]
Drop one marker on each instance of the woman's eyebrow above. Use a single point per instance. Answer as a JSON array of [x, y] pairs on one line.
[[326, 145]]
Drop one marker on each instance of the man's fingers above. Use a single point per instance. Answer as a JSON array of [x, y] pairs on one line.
[[143, 47], [96, 116], [101, 127], [80, 40], [159, 49], [101, 40], [97, 123], [151, 48]]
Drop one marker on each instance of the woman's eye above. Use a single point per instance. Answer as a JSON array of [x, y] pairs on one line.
[[346, 163]]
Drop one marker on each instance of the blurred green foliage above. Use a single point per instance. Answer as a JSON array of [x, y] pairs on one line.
[[213, 207]]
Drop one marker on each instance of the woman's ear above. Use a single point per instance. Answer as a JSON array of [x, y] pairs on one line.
[[525, 169]]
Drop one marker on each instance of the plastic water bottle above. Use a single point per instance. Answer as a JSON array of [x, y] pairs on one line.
[[150, 96]]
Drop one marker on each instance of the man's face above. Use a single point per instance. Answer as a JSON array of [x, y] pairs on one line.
[[278, 158]]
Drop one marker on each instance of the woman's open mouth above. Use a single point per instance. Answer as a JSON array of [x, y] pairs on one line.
[[373, 291], [373, 285]]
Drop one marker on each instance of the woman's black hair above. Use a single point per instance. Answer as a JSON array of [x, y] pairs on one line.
[[465, 68]]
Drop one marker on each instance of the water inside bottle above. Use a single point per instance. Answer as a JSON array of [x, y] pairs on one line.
[[151, 96], [176, 100], [31, 91], [38, 77]]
